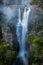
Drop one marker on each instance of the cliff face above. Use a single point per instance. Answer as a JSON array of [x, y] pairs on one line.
[[15, 2], [11, 16], [7, 35], [11, 13]]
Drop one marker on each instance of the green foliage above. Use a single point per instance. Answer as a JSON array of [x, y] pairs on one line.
[[36, 40], [37, 2], [34, 2], [36, 53], [6, 53], [41, 5]]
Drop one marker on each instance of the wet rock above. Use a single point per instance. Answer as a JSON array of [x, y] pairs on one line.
[[18, 61]]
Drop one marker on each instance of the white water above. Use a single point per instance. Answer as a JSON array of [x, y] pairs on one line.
[[21, 31]]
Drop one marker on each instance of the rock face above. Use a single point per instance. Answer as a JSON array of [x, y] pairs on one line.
[[14, 37], [7, 35], [1, 36], [18, 61], [14, 2]]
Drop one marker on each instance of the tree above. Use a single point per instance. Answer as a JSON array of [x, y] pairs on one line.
[[6, 53], [36, 40], [37, 2]]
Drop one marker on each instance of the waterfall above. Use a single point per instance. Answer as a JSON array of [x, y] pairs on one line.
[[21, 31], [21, 27]]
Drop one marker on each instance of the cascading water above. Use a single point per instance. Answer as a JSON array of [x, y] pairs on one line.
[[21, 31]]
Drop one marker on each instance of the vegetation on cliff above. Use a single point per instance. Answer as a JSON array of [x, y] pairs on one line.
[[6, 53], [36, 37]]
